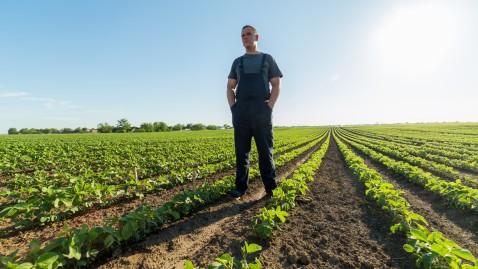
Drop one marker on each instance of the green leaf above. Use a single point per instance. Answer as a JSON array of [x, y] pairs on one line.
[[464, 254], [175, 214], [215, 265], [46, 260], [282, 218], [93, 234], [257, 265], [74, 253], [225, 258], [92, 253], [440, 250], [35, 246], [408, 248], [455, 265], [44, 219], [56, 203], [188, 265], [418, 234], [252, 248], [55, 245], [68, 203], [25, 265], [394, 227], [127, 231], [427, 259], [417, 218], [110, 240], [8, 212]]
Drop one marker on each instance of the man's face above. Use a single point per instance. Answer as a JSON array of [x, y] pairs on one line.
[[248, 37]]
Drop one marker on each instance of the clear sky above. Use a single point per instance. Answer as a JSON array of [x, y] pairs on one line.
[[81, 63]]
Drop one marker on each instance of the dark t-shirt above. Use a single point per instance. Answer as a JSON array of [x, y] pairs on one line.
[[252, 64]]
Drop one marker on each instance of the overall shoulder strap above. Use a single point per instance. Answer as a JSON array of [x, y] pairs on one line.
[[264, 56], [241, 63]]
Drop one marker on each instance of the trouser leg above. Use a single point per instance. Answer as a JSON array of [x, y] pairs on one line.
[[264, 138], [242, 142]]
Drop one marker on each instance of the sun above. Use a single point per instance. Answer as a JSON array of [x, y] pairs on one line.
[[416, 38]]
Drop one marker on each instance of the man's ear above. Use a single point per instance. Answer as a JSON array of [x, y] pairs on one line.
[[257, 37]]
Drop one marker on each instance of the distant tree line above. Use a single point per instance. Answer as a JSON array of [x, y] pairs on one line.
[[48, 131], [123, 126]]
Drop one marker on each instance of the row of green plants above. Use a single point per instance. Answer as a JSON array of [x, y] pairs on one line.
[[283, 197], [98, 153], [419, 156], [448, 133], [108, 176], [114, 161], [431, 248], [463, 143], [54, 203], [406, 154], [76, 248], [74, 152], [439, 153], [42, 203], [454, 192]]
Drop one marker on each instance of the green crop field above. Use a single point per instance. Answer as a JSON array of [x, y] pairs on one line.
[[371, 196]]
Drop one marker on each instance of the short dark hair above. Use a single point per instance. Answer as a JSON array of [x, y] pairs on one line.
[[252, 27]]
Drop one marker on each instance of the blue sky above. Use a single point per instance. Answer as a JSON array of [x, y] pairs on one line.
[[81, 63]]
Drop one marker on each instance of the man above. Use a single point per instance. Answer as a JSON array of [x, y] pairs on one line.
[[251, 100]]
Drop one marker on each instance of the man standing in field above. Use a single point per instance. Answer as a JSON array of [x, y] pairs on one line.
[[251, 101]]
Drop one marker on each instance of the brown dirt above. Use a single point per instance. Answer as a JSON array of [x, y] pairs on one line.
[[333, 226]]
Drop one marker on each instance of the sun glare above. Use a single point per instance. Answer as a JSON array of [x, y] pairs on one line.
[[416, 38]]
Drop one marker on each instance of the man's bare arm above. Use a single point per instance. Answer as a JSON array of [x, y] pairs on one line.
[[276, 87], [231, 91]]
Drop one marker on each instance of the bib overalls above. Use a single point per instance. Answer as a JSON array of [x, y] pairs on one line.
[[252, 117]]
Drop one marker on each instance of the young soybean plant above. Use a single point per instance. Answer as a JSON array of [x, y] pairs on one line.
[[226, 261]]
